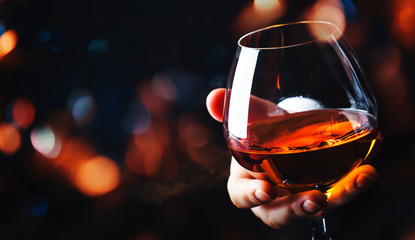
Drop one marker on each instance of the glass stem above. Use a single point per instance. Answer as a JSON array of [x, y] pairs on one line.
[[319, 231]]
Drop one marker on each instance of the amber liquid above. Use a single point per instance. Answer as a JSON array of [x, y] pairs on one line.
[[306, 150]]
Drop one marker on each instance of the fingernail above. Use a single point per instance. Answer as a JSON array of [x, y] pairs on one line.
[[364, 181], [262, 196], [311, 207]]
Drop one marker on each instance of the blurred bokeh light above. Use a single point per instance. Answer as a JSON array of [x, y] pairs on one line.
[[23, 112], [45, 141], [97, 176], [329, 11], [403, 22], [82, 105], [10, 138], [258, 14], [8, 41]]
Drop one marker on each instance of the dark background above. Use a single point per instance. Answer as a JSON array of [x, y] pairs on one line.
[[145, 68]]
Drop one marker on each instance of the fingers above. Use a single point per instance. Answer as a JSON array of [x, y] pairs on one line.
[[358, 181], [245, 191], [283, 210], [248, 193], [277, 207], [274, 207], [214, 103]]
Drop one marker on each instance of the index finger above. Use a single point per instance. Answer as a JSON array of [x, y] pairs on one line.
[[258, 108]]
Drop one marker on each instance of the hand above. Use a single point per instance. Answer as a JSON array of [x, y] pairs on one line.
[[277, 207]]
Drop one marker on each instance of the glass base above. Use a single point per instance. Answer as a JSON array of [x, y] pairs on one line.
[[319, 230]]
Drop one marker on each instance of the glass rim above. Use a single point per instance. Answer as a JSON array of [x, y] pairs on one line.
[[332, 33]]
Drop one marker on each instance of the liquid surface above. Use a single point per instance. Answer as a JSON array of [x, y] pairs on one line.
[[306, 150]]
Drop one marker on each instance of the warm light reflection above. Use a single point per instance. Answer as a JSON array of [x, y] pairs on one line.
[[45, 141], [328, 193], [97, 176], [278, 82], [7, 42], [10, 138], [258, 14], [328, 11], [23, 112], [370, 149]]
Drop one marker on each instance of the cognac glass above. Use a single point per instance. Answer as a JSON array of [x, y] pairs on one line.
[[298, 108]]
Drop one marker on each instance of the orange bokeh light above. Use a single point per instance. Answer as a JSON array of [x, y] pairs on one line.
[[328, 11], [404, 21], [266, 4], [23, 112], [144, 158], [406, 17], [97, 176], [258, 14], [7, 42], [10, 138]]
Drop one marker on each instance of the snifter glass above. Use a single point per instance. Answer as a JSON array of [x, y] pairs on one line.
[[298, 109]]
